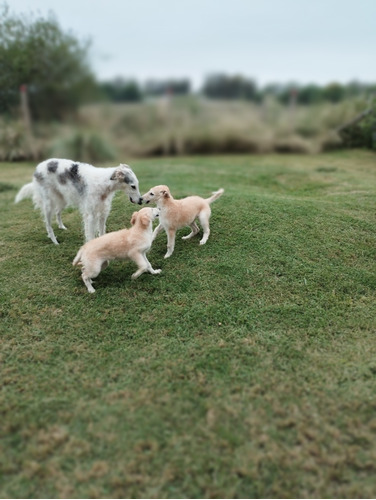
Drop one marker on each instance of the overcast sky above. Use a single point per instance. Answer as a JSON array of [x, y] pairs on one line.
[[304, 41]]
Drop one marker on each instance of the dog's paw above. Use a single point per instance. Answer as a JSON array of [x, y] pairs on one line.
[[167, 255], [156, 271]]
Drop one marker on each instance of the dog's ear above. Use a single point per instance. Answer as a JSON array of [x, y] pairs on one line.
[[134, 218], [117, 175], [145, 221], [165, 194], [120, 175]]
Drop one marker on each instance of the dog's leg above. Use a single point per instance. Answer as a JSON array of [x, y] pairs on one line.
[[91, 270], [104, 211], [88, 283], [195, 230], [102, 224], [89, 225], [204, 217], [59, 221], [170, 242], [156, 231], [47, 212], [150, 268], [143, 265], [206, 228]]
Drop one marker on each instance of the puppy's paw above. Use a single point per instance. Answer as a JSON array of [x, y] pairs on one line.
[[156, 271]]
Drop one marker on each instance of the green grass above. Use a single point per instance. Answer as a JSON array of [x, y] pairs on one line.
[[245, 369]]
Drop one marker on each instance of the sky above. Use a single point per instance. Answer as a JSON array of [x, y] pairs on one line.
[[270, 41]]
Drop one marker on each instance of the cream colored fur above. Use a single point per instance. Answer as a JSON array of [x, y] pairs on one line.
[[130, 244], [175, 214]]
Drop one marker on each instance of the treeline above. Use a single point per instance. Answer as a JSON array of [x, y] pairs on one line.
[[129, 90], [235, 87]]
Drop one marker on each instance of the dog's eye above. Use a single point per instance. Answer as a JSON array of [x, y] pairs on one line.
[[151, 194], [133, 186]]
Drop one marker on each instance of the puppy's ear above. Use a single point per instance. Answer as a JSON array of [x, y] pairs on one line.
[[134, 218], [145, 221], [165, 194]]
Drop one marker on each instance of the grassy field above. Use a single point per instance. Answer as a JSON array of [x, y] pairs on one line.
[[246, 368]]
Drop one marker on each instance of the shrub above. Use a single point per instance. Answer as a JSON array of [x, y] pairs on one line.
[[362, 132], [83, 146]]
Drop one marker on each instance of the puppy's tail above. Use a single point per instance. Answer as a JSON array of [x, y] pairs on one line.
[[215, 195], [27, 191], [77, 259]]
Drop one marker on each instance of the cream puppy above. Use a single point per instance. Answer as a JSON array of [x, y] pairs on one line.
[[130, 244], [175, 214]]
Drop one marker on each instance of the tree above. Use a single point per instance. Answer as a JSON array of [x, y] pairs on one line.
[[53, 64], [222, 86], [171, 86], [121, 90], [334, 92], [310, 94]]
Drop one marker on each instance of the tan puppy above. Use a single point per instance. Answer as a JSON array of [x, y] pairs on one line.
[[130, 244], [175, 214]]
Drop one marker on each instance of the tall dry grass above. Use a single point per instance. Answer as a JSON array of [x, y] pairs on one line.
[[190, 125]]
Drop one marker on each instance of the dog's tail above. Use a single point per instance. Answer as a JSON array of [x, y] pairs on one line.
[[215, 195], [27, 191], [77, 259]]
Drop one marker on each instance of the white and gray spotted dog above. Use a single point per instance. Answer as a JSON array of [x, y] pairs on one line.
[[60, 183]]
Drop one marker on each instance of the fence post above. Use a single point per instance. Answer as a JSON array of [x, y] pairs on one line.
[[25, 110]]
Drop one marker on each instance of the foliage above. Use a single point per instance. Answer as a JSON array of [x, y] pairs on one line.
[[83, 145], [52, 64], [167, 87], [229, 87], [222, 86], [362, 134], [120, 90], [183, 125], [202, 126], [246, 369], [13, 141]]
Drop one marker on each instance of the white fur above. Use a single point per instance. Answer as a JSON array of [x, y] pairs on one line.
[[59, 183]]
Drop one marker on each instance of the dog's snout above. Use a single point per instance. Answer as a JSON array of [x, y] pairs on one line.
[[138, 201]]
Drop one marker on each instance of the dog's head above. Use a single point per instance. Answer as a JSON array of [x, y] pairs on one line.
[[156, 194], [127, 181], [144, 217]]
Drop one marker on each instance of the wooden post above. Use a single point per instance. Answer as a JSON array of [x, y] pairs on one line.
[[25, 110]]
